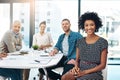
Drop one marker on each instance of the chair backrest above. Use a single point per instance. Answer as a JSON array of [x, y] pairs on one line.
[[58, 70], [2, 78], [104, 73]]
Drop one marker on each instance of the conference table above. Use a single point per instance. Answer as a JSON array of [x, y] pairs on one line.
[[30, 59]]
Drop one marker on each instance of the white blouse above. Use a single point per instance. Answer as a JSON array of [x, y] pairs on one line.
[[44, 39]]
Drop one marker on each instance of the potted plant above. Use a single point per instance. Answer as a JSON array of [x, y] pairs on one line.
[[35, 47]]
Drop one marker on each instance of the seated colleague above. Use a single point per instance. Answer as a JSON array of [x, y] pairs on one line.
[[91, 53], [43, 40], [66, 44], [12, 39], [11, 42]]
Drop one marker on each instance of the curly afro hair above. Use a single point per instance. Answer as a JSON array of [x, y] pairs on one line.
[[90, 16]]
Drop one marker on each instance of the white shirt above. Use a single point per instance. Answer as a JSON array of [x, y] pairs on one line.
[[44, 39], [65, 45]]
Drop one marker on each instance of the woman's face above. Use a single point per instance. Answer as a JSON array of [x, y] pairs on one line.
[[42, 27], [89, 27]]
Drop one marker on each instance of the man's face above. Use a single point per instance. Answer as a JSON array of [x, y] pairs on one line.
[[66, 26], [16, 27]]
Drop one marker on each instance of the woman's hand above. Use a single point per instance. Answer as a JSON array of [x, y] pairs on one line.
[[75, 71], [42, 47]]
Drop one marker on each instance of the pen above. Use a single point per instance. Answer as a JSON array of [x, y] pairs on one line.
[[37, 61]]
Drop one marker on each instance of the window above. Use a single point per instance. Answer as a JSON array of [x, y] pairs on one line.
[[109, 11], [21, 11], [4, 18], [53, 11]]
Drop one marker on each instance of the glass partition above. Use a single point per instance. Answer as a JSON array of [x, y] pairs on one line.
[[53, 11], [4, 18], [109, 11], [21, 11]]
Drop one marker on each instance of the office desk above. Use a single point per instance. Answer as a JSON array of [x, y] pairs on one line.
[[34, 59]]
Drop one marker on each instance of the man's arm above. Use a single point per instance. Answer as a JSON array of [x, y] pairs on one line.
[[8, 40], [3, 55]]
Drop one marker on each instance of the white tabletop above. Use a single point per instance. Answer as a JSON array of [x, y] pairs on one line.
[[34, 59]]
